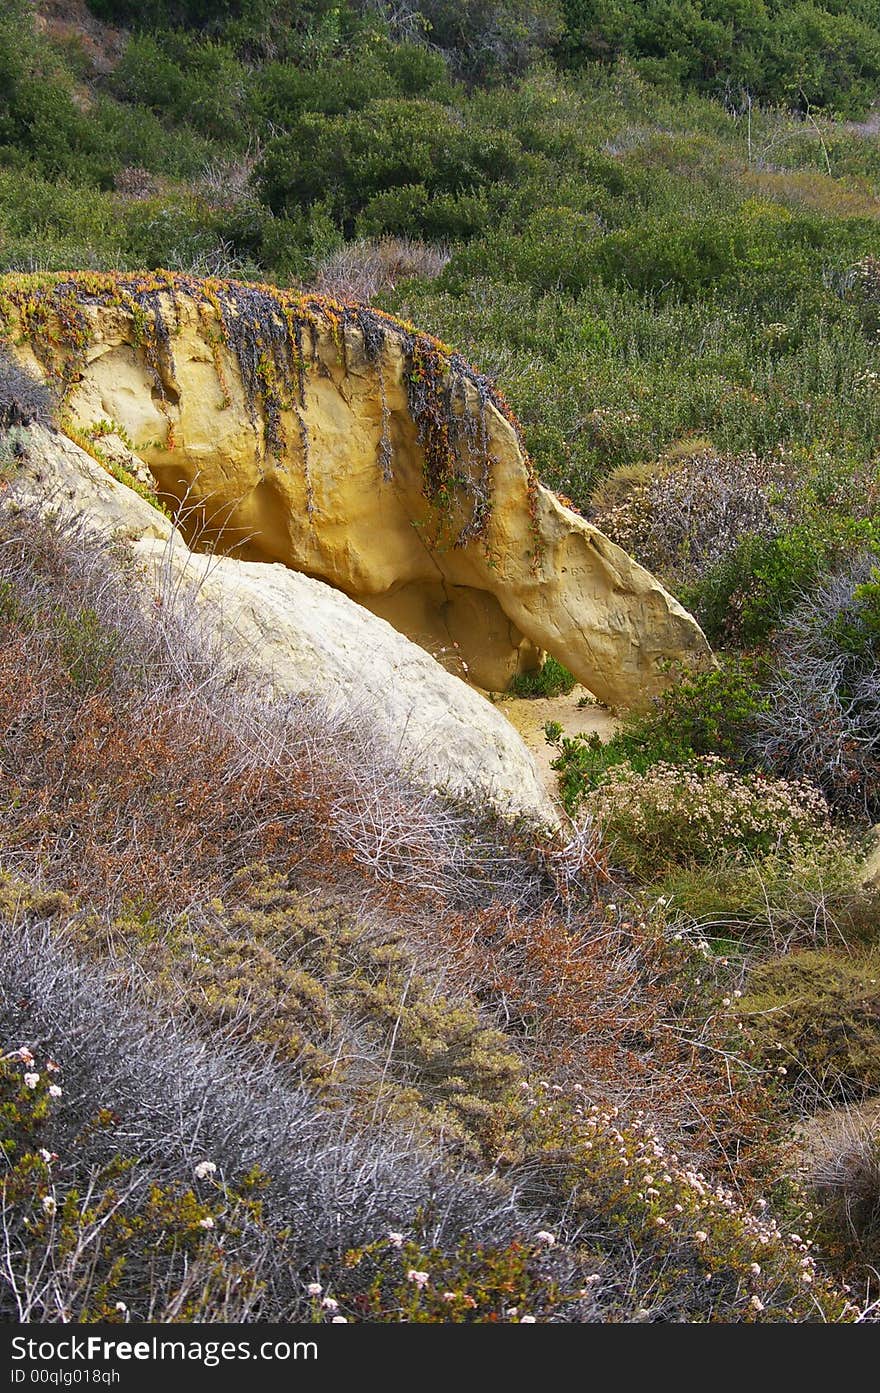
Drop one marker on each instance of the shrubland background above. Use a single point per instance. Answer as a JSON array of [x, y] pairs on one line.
[[435, 1066]]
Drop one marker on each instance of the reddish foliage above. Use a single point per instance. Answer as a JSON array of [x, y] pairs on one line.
[[127, 800], [612, 1004]]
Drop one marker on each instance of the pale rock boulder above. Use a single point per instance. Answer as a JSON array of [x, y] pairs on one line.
[[304, 638], [496, 570], [56, 477], [300, 636]]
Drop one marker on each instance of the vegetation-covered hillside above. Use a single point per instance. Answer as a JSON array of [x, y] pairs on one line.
[[411, 1063]]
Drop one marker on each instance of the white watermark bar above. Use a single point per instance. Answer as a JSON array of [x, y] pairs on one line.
[[187, 1357]]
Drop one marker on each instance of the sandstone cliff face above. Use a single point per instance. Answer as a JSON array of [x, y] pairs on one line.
[[350, 448], [297, 635]]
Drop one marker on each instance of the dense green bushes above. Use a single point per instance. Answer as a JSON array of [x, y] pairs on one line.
[[820, 55], [254, 26], [39, 119], [807, 54], [348, 161], [745, 596], [188, 83]]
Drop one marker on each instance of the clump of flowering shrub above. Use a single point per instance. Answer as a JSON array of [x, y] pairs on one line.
[[399, 1278], [636, 1233], [703, 712], [704, 810], [659, 1239]]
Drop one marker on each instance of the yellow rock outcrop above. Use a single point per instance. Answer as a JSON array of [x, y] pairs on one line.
[[357, 451]]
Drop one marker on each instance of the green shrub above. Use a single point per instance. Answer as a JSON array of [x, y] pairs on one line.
[[87, 649], [768, 248], [551, 679], [745, 596], [550, 250], [390, 144], [417, 71], [282, 92], [184, 234], [38, 114], [184, 81], [704, 713], [488, 39], [806, 54], [308, 29], [437, 216]]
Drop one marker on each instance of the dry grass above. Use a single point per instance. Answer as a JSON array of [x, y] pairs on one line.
[[362, 270]]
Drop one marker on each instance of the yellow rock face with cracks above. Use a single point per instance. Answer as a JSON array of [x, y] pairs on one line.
[[351, 448]]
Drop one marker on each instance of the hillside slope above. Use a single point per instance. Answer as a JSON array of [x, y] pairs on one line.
[[284, 1034]]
